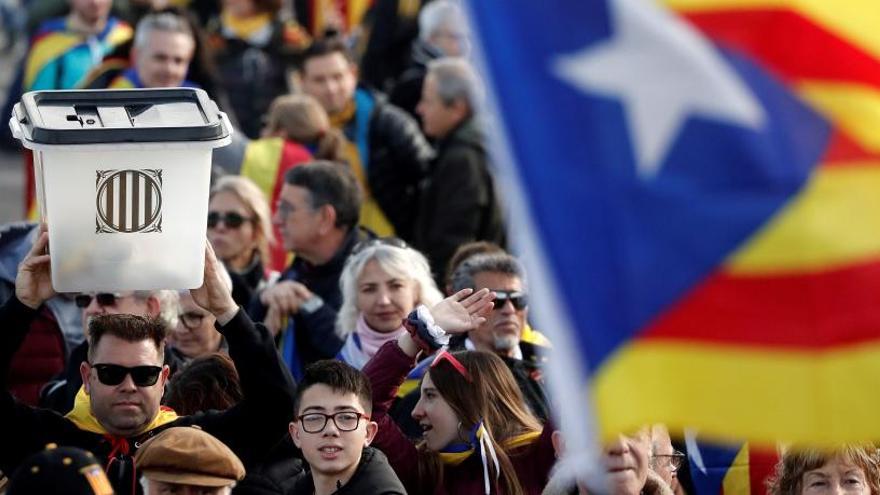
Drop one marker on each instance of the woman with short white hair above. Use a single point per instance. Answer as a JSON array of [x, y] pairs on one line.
[[383, 280]]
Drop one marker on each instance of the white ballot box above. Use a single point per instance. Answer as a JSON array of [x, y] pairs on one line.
[[122, 180]]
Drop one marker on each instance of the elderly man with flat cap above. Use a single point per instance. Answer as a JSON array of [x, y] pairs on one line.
[[187, 460]]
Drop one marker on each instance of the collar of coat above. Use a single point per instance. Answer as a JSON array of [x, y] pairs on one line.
[[81, 415]]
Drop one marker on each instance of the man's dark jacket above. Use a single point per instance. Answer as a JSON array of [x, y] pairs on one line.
[[459, 202], [398, 162], [316, 336], [373, 475], [250, 428]]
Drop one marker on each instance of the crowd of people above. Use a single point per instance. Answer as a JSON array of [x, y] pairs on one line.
[[362, 328]]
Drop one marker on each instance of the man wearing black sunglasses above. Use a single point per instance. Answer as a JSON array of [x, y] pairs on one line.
[[124, 378], [60, 393], [502, 333], [505, 328]]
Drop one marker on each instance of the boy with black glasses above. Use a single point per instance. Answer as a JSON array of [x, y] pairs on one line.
[[124, 377], [333, 429]]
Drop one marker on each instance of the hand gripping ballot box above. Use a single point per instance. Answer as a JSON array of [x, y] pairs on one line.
[[122, 180]]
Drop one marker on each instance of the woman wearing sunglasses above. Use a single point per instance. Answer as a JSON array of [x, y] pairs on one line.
[[479, 437], [240, 230], [382, 282]]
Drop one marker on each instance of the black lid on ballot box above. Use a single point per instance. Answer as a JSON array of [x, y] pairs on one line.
[[119, 116]]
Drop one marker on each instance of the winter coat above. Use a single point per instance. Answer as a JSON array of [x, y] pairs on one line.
[[250, 428], [314, 333], [51, 335], [373, 476], [459, 202], [398, 162]]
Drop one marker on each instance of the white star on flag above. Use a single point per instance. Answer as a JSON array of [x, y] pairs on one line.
[[662, 71]]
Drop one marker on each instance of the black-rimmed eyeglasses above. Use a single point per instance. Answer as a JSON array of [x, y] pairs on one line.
[[344, 421]]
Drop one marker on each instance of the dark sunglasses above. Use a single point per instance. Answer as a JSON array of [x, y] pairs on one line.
[[231, 219], [114, 374], [519, 299], [379, 241], [103, 298]]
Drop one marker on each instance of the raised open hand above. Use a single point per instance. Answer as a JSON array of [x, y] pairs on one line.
[[463, 311], [33, 284]]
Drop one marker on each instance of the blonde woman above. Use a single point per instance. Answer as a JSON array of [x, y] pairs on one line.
[[852, 469], [383, 280], [240, 230]]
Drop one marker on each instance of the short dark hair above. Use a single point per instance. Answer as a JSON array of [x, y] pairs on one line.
[[325, 46], [330, 183], [208, 382], [340, 377], [495, 262], [131, 328]]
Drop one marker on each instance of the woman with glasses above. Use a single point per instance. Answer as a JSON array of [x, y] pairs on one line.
[[240, 230], [478, 435], [383, 280], [195, 335]]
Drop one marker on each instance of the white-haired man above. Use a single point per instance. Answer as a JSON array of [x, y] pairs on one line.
[[460, 202], [164, 45]]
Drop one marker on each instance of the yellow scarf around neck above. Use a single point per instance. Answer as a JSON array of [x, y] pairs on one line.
[[81, 415]]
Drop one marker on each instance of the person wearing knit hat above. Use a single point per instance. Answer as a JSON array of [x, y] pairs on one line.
[[60, 470], [187, 458]]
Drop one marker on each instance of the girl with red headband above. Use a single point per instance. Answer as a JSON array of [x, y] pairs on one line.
[[479, 437]]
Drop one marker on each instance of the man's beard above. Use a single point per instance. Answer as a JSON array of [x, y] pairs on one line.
[[504, 343]]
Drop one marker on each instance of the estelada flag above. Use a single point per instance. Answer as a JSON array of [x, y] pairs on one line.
[[696, 190]]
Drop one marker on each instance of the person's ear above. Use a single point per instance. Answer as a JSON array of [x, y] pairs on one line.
[[461, 109], [293, 429], [154, 307], [372, 429], [84, 370], [328, 219], [166, 371]]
